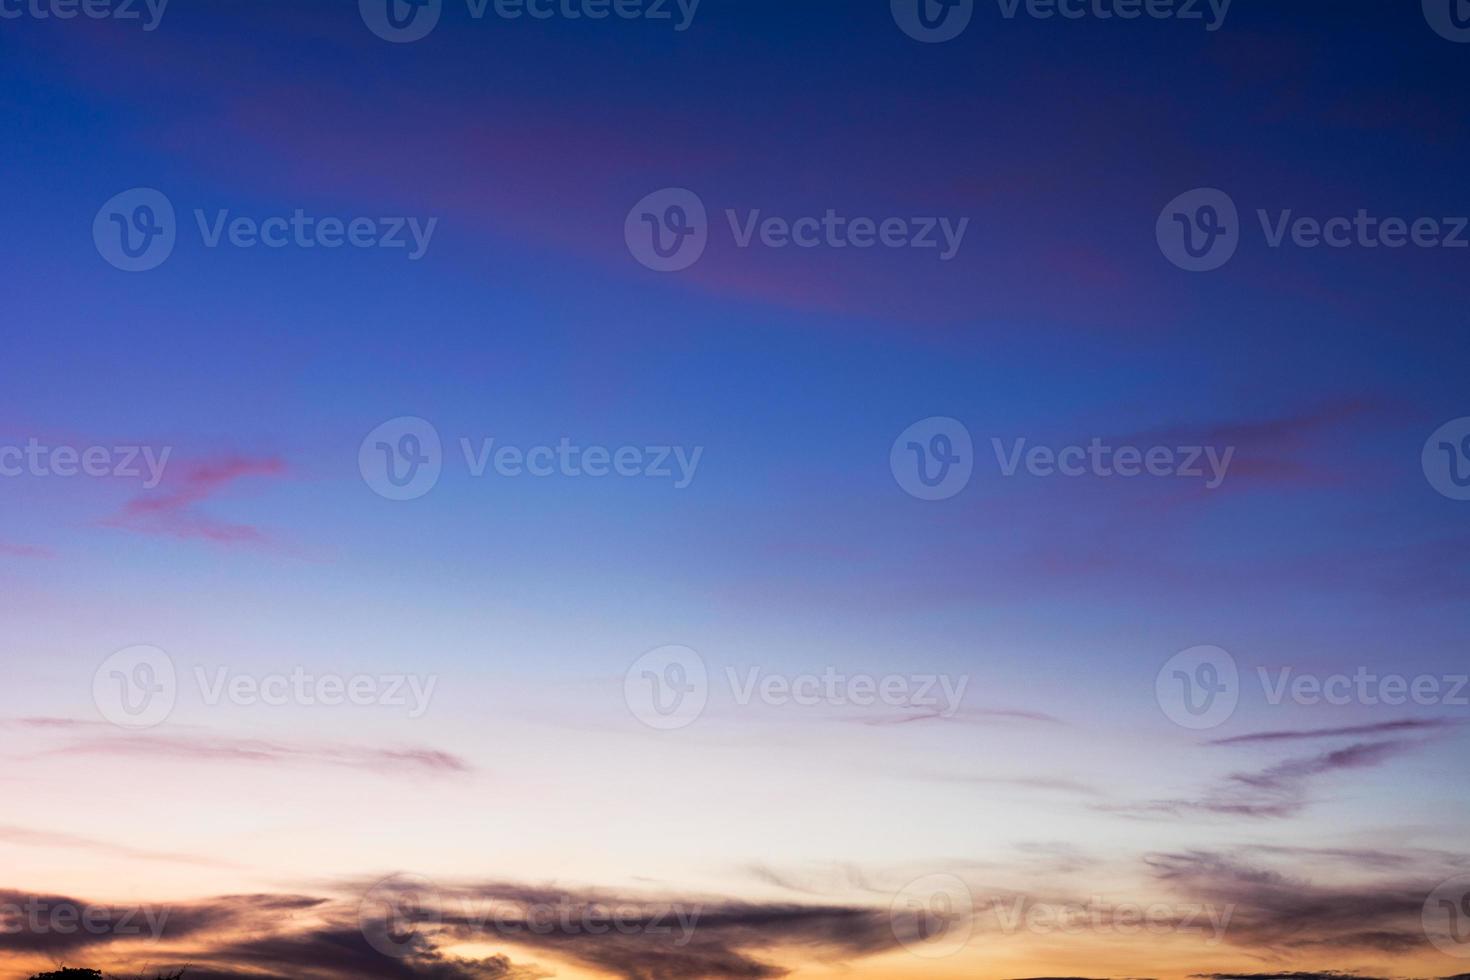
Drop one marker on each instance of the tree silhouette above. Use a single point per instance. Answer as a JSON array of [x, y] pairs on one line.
[[75, 974]]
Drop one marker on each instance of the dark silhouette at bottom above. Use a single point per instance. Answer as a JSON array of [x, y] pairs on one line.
[[74, 974]]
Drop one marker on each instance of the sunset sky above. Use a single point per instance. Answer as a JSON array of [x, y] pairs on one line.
[[1032, 782]]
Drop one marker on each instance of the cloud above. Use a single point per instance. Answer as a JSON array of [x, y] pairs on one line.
[[1040, 783], [172, 510], [1380, 728], [1280, 914], [292, 936], [28, 837], [1275, 792], [672, 939], [973, 716], [344, 951], [220, 749], [1286, 448], [55, 925]]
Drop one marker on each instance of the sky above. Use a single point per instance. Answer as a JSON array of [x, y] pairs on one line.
[[739, 489]]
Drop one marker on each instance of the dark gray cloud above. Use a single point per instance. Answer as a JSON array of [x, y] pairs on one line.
[[1380, 728], [1281, 914], [1278, 791]]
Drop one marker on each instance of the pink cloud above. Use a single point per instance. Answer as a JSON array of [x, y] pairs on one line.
[[173, 510]]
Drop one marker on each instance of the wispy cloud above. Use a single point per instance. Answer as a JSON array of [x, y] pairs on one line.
[[1046, 784], [1278, 914], [1278, 791], [29, 837], [173, 510], [1378, 728], [258, 751]]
